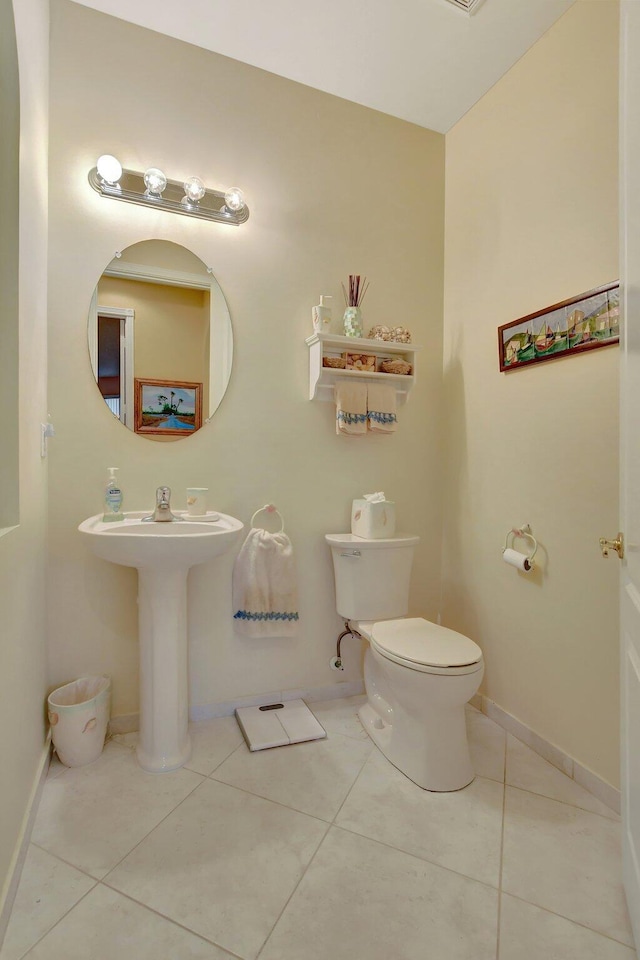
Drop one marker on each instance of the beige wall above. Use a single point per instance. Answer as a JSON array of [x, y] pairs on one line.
[[531, 219], [22, 549], [9, 265], [314, 169]]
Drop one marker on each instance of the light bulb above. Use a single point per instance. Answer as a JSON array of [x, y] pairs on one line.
[[155, 182], [109, 169], [194, 190], [234, 200]]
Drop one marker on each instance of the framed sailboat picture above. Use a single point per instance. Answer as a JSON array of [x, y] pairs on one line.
[[585, 322]]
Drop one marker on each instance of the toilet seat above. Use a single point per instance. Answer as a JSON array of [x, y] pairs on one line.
[[419, 645]]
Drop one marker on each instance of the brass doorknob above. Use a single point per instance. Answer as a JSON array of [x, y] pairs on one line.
[[617, 545]]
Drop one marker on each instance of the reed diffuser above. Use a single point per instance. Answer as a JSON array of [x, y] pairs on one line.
[[358, 287]]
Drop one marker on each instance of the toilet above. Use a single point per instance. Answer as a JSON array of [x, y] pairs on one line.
[[418, 675]]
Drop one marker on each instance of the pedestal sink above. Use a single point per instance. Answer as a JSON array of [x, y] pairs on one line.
[[162, 553]]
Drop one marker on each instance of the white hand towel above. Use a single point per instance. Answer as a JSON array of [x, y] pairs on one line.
[[381, 408], [351, 408], [264, 586]]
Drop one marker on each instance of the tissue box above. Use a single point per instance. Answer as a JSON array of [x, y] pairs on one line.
[[373, 521]]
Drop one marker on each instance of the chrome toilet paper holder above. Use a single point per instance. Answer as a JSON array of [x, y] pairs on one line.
[[523, 532]]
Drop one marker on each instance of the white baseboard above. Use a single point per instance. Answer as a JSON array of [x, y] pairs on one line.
[[128, 723], [22, 843], [597, 786], [581, 774], [209, 711], [586, 778]]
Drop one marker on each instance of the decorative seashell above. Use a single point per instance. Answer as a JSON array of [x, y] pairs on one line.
[[380, 332], [361, 361], [401, 335], [53, 718], [395, 366]]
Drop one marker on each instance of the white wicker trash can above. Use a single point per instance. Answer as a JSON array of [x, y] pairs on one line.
[[79, 714]]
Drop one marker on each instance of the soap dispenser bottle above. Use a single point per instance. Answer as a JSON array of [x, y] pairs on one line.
[[112, 498], [321, 314]]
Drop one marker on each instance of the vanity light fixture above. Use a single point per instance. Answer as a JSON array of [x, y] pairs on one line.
[[155, 182], [152, 188], [109, 169], [194, 190], [234, 200]]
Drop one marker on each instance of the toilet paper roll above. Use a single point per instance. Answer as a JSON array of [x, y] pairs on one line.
[[518, 560]]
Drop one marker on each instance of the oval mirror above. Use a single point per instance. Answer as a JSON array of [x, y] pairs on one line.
[[160, 340]]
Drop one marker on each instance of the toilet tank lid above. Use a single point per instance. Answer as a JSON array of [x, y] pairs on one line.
[[420, 641], [350, 539]]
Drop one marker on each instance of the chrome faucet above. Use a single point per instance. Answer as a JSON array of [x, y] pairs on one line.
[[162, 512]]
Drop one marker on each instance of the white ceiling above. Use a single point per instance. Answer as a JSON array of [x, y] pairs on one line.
[[421, 60]]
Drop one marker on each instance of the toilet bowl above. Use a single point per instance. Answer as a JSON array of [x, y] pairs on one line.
[[418, 675]]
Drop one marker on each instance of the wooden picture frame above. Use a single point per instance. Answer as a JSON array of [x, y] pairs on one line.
[[585, 322], [167, 408]]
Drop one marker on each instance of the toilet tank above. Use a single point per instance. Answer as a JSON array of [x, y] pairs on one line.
[[371, 576]]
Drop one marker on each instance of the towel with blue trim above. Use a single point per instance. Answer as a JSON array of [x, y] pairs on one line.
[[351, 408], [381, 408], [264, 586]]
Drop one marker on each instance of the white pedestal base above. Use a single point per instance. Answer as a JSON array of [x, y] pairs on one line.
[[163, 741]]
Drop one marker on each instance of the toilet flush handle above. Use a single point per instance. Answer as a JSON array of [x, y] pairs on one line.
[[353, 554]]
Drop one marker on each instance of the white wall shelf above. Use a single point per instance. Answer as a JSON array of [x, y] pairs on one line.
[[322, 379]]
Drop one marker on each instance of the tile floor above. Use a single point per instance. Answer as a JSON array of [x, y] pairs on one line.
[[319, 851]]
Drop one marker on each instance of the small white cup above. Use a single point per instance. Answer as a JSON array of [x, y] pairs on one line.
[[197, 501]]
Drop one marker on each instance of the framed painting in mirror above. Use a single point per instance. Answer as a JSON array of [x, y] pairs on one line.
[[167, 407]]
